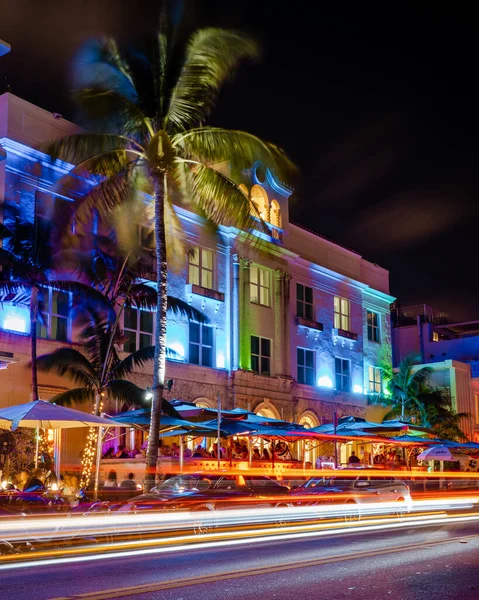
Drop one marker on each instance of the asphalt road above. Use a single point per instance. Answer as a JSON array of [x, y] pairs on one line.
[[423, 563]]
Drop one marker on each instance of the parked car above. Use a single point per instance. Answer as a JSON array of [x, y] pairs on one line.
[[363, 491], [206, 492]]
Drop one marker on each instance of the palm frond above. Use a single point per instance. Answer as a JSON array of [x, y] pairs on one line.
[[73, 396], [91, 150], [98, 63], [212, 145], [126, 391], [67, 361], [212, 57], [142, 295], [19, 288], [179, 307], [133, 361], [221, 199]]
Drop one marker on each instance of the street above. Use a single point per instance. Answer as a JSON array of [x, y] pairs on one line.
[[411, 564]]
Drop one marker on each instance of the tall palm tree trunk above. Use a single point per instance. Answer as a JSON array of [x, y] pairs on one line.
[[33, 335], [159, 366]]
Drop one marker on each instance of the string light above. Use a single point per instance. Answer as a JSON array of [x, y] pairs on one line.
[[89, 453]]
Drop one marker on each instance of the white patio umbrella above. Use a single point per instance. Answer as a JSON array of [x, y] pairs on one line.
[[442, 453], [45, 415]]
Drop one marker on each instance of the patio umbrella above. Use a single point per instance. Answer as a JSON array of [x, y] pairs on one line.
[[45, 415], [442, 453]]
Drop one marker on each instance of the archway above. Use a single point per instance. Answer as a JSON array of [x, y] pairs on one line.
[[259, 198], [276, 214], [309, 420]]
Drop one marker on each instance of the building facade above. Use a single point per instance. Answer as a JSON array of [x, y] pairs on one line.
[[450, 349], [296, 323]]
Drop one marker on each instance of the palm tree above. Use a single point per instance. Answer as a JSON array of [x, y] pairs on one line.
[[410, 395], [120, 277], [88, 369], [29, 269], [153, 141]]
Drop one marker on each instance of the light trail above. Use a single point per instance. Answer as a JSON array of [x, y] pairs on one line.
[[266, 536], [115, 523]]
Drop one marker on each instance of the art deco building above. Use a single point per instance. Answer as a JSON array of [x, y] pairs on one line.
[[296, 322]]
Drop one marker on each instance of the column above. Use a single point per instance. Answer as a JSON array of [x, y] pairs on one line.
[[244, 312], [282, 321], [235, 308]]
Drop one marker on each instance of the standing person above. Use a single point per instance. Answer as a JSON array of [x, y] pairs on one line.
[[353, 459]]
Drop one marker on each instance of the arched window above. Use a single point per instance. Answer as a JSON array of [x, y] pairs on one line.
[[259, 198], [204, 403], [309, 420], [275, 214], [267, 410]]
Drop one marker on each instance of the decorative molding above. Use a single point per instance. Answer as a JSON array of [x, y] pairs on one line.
[[349, 335], [199, 290], [309, 323]]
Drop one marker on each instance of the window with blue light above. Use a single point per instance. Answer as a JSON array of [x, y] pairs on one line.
[[343, 374], [201, 344], [305, 362], [138, 328]]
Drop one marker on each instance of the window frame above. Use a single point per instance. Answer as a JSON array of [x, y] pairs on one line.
[[139, 331], [373, 328], [304, 368], [304, 302], [260, 287], [260, 356], [343, 376], [48, 315], [201, 268], [200, 344], [342, 318], [375, 380]]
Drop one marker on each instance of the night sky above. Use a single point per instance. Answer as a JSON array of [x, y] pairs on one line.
[[378, 109]]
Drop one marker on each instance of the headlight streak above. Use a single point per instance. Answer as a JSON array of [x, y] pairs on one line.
[[121, 523], [239, 541]]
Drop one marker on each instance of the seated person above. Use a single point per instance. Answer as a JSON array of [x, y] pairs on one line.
[[129, 484], [121, 452]]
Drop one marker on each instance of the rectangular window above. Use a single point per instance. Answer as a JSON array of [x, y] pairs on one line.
[[343, 377], [200, 267], [201, 344], [261, 355], [373, 326], [435, 336], [374, 380], [54, 315], [259, 285], [304, 302], [138, 328], [305, 360], [341, 313]]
